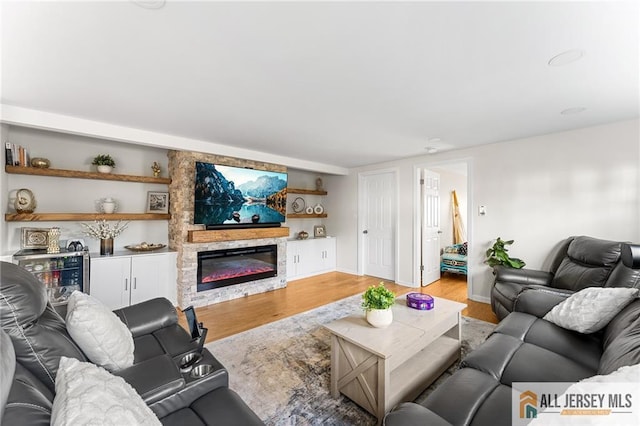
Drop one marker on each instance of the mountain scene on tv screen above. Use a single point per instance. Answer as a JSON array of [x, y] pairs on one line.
[[231, 195]]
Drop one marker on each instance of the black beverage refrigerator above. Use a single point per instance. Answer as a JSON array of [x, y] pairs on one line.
[[61, 273]]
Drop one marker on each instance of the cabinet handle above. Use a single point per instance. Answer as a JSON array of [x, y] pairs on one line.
[[135, 283], [126, 284]]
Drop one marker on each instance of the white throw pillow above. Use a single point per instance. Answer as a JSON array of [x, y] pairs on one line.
[[89, 395], [591, 309], [100, 334]]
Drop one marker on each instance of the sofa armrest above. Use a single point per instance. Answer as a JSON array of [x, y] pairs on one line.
[[154, 379], [522, 276], [148, 316], [537, 300], [412, 414]]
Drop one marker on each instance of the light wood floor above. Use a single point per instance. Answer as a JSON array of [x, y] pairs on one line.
[[227, 318]]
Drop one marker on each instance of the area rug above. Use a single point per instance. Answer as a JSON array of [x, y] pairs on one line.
[[282, 369]]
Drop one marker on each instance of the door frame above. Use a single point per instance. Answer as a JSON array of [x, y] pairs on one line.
[[417, 217], [361, 208]]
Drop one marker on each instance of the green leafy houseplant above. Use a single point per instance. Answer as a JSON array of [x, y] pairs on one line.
[[103, 160], [497, 255], [378, 297]]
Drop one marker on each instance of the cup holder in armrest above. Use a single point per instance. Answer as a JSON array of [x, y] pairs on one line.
[[188, 361], [201, 371]]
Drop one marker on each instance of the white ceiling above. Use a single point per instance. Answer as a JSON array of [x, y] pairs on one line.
[[345, 84]]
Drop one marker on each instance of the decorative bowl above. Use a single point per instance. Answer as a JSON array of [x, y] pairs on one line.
[[41, 163], [145, 247]]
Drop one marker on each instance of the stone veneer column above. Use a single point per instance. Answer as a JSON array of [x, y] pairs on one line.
[[182, 172]]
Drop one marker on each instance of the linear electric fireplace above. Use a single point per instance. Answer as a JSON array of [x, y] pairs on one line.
[[221, 268]]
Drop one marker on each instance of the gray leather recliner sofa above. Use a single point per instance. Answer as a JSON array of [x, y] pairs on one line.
[[575, 264], [526, 348], [34, 337]]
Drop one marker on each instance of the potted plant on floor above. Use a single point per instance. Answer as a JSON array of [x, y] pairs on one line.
[[497, 255], [104, 162], [377, 302]]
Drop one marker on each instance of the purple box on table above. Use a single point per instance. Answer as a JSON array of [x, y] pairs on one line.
[[420, 301]]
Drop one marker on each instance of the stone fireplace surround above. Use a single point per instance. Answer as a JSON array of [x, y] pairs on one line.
[[182, 172]]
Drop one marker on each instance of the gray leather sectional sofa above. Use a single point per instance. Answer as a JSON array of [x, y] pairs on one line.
[[34, 337], [576, 263], [526, 348]]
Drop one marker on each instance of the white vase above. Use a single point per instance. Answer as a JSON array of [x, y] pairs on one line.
[[108, 205], [380, 318], [104, 169]]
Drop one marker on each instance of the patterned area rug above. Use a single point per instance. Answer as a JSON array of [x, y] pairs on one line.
[[282, 370]]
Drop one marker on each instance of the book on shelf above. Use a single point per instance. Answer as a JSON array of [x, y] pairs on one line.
[[16, 155], [8, 153]]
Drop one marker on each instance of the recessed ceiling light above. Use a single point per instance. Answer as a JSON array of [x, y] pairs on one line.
[[570, 111], [149, 4], [565, 58]]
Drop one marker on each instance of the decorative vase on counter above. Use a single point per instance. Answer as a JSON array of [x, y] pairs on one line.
[[380, 318], [106, 246]]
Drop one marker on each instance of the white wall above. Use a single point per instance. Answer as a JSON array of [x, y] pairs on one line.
[[537, 191], [64, 195]]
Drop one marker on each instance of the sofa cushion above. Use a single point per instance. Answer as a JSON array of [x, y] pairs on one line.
[[99, 332], [220, 406], [471, 397], [588, 263], [88, 394], [585, 349], [591, 309], [38, 333], [622, 340]]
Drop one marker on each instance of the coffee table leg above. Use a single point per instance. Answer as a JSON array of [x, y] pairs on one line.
[[335, 348], [383, 388]]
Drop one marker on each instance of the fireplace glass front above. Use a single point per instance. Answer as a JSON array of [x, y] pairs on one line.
[[221, 268]]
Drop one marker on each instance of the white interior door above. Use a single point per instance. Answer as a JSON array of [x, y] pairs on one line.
[[430, 233], [379, 224]]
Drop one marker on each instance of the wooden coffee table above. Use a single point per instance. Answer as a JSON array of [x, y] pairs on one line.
[[379, 367]]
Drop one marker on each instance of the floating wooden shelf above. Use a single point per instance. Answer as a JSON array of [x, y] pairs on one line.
[[55, 217], [305, 191], [305, 216], [36, 171], [236, 234]]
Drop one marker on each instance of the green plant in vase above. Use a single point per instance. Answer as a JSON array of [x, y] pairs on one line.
[[377, 302], [104, 163]]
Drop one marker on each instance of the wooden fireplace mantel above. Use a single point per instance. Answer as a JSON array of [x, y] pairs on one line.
[[212, 236]]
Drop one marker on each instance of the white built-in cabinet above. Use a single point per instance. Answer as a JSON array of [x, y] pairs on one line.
[[123, 280], [310, 257]]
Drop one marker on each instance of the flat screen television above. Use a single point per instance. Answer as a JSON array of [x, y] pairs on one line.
[[240, 197]]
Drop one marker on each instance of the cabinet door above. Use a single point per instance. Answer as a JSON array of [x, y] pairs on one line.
[[148, 277], [327, 248], [110, 280], [292, 259], [309, 257]]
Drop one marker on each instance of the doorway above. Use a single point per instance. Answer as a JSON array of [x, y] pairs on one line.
[[437, 233], [377, 223]]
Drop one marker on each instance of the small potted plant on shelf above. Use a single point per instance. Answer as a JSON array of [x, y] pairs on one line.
[[104, 162], [377, 302]]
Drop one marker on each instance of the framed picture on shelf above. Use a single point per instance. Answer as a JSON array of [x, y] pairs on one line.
[[157, 202], [319, 231], [34, 238]]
